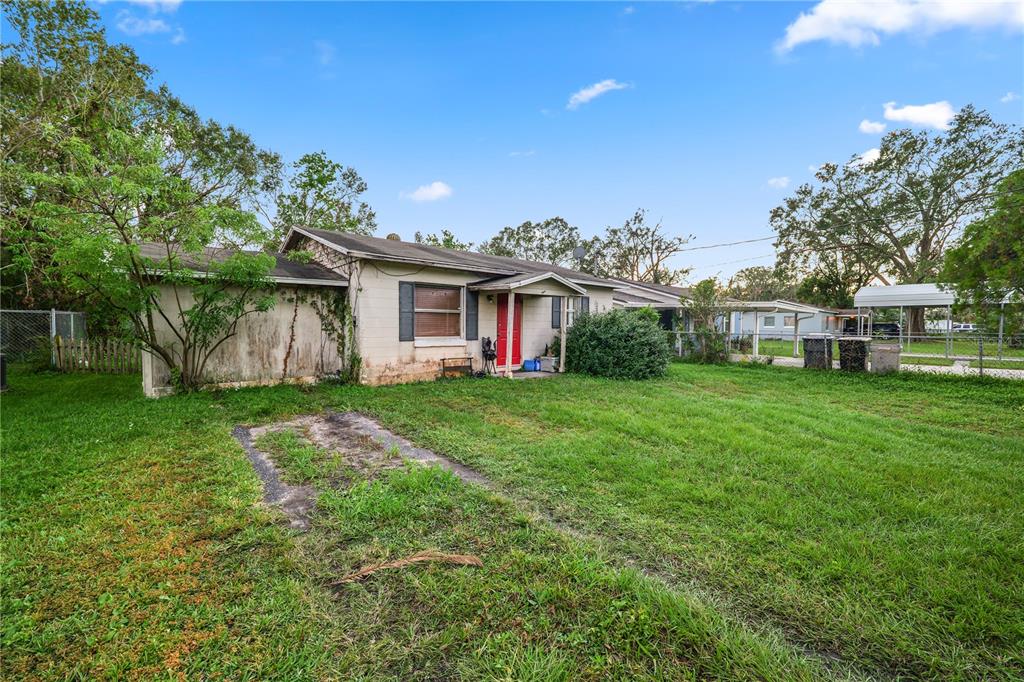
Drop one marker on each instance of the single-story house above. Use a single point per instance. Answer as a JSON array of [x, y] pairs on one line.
[[407, 308], [781, 319]]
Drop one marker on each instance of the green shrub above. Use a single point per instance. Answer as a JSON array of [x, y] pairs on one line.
[[621, 344], [706, 347]]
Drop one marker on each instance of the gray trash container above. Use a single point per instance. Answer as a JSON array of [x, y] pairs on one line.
[[818, 351], [885, 357], [853, 353]]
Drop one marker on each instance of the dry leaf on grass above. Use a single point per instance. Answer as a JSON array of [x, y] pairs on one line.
[[419, 557]]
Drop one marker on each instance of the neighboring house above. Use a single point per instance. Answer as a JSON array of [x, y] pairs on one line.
[[782, 319], [408, 307]]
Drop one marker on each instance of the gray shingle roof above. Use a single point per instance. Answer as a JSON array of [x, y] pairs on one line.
[[663, 288], [283, 270], [626, 297], [388, 249]]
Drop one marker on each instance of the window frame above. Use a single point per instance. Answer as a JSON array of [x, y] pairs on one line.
[[460, 311], [789, 317], [764, 322]]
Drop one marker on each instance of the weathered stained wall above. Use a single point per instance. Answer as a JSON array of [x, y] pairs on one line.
[[285, 343]]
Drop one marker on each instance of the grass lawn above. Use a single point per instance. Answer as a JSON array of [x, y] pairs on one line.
[[724, 522], [926, 360]]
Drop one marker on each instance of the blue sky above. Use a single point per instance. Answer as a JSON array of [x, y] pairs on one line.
[[461, 115]]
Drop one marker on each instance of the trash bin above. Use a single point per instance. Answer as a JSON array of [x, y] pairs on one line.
[[818, 351], [885, 357], [853, 353]]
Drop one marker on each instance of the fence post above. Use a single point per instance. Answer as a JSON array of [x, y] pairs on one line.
[[981, 354], [53, 335]]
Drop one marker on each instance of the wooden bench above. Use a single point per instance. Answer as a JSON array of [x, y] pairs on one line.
[[453, 367]]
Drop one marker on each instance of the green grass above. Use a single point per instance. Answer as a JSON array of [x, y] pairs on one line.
[[926, 360], [875, 522]]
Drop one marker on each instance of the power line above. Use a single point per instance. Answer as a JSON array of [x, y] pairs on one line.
[[715, 246], [882, 219], [730, 262]]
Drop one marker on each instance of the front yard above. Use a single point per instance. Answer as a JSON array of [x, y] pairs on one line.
[[724, 522]]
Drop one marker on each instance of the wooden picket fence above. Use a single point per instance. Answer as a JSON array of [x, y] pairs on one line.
[[109, 356]]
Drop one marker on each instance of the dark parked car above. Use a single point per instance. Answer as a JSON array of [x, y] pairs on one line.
[[886, 330]]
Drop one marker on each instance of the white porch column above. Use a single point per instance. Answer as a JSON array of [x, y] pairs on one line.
[[510, 332], [796, 334], [561, 330], [757, 332]]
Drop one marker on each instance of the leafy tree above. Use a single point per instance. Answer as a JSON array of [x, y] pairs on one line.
[[323, 194], [59, 78], [551, 241], [705, 304], [987, 266], [762, 283], [832, 283], [894, 217], [180, 188], [636, 251], [112, 188], [446, 240]]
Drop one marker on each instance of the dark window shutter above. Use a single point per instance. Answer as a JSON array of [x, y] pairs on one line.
[[406, 312], [585, 304], [556, 312], [472, 315]]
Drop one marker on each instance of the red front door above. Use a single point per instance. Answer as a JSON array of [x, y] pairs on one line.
[[517, 326]]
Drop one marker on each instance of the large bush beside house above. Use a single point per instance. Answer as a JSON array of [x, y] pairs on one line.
[[621, 344]]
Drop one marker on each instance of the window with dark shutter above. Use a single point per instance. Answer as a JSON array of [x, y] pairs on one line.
[[406, 311], [472, 315], [585, 304], [556, 312]]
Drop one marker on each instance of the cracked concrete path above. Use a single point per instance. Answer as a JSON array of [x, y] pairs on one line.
[[362, 443], [364, 426], [296, 501]]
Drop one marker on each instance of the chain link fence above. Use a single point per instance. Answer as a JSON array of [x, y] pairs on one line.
[[954, 352], [24, 332]]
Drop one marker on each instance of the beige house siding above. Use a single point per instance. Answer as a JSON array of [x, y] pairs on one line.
[[373, 295], [385, 359], [257, 352]]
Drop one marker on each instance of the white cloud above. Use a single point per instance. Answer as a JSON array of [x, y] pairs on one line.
[[592, 91], [137, 26], [325, 51], [528, 152], [1009, 97], [628, 9], [778, 183], [870, 156], [813, 169], [934, 115], [179, 37], [159, 5], [432, 192], [152, 5], [871, 127], [863, 23]]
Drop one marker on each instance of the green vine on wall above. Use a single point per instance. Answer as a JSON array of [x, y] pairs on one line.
[[338, 324]]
